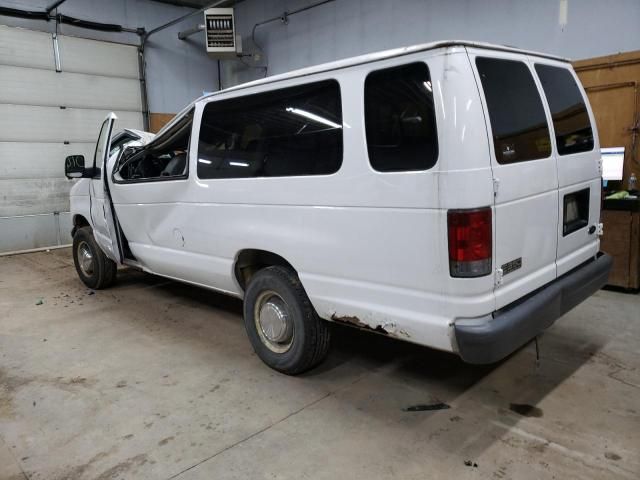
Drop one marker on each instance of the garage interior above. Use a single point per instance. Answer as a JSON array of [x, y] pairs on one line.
[[155, 379]]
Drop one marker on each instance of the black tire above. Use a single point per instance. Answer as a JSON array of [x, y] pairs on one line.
[[310, 335], [102, 271]]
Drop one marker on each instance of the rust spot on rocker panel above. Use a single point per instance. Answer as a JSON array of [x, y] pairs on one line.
[[356, 322], [387, 328]]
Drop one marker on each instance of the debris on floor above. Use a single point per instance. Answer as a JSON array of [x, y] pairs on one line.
[[612, 456], [426, 408]]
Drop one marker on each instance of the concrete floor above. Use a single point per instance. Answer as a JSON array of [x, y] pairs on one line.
[[154, 379]]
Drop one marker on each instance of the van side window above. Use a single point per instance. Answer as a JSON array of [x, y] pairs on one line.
[[400, 119], [568, 110], [518, 121], [285, 132], [165, 158]]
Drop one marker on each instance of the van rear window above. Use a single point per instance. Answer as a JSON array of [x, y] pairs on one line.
[[400, 120], [518, 121], [568, 110], [285, 132]]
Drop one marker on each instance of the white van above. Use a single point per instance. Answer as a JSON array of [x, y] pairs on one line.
[[446, 194]]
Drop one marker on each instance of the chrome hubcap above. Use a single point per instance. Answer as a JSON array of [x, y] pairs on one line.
[[85, 258], [273, 322]]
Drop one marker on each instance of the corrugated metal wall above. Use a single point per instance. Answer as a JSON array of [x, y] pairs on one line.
[[178, 71], [46, 115]]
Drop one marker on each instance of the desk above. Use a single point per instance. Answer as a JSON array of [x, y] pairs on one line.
[[621, 240]]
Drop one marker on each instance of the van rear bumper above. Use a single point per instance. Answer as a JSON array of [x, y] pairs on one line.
[[491, 338]]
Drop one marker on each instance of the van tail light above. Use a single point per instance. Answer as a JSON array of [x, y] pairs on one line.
[[470, 242]]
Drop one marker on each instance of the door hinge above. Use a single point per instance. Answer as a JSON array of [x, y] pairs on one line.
[[496, 186], [600, 229], [498, 278]]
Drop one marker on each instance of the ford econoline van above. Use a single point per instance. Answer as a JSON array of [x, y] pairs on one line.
[[445, 194]]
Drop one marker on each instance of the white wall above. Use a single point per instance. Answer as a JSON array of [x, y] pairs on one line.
[[351, 27], [177, 71]]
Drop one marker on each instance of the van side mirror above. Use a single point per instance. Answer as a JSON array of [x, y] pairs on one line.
[[74, 166]]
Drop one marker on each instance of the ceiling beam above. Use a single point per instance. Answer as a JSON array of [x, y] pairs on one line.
[[194, 3]]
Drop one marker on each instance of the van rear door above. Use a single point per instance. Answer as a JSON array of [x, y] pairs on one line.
[[524, 172], [578, 158]]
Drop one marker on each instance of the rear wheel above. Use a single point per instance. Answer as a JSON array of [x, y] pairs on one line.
[[282, 325], [94, 268]]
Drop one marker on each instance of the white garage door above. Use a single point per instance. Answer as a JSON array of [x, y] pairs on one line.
[[46, 115]]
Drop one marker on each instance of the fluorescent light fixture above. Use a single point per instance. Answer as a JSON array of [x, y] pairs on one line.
[[428, 86], [313, 116], [202, 160], [239, 164], [563, 14]]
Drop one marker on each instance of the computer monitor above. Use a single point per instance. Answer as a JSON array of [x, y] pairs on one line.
[[612, 163]]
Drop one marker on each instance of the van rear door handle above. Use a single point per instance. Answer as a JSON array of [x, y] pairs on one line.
[[592, 229]]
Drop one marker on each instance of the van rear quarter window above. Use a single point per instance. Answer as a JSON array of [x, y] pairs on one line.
[[518, 121], [400, 119], [568, 110], [284, 132]]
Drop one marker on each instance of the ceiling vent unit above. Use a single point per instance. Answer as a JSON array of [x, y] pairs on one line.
[[219, 26]]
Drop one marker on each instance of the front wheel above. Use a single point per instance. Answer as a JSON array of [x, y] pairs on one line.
[[94, 268], [281, 323]]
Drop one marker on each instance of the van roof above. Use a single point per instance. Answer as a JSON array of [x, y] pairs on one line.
[[382, 55], [366, 58]]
